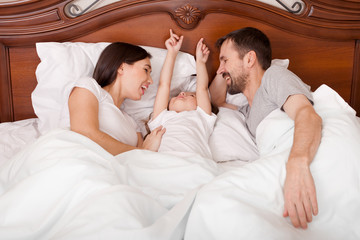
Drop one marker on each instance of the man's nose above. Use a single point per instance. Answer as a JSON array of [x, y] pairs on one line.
[[220, 70], [182, 93]]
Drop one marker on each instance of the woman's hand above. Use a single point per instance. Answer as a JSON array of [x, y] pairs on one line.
[[153, 140], [173, 44]]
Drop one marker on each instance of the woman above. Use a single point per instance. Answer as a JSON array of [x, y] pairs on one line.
[[122, 71]]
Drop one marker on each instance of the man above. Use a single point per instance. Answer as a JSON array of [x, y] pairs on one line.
[[245, 59]]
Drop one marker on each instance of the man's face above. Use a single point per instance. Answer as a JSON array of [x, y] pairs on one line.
[[232, 68]]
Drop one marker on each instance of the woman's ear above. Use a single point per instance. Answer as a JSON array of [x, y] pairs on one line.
[[121, 69]]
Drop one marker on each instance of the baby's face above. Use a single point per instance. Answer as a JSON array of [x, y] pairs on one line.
[[185, 101]]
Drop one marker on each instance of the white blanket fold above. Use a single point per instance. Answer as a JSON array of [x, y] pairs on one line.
[[64, 186], [247, 202]]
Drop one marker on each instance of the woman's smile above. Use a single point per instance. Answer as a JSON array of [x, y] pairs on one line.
[[144, 88]]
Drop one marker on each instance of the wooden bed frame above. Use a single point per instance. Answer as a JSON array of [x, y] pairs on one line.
[[322, 42]]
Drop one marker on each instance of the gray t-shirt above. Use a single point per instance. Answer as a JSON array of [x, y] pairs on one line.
[[277, 84]]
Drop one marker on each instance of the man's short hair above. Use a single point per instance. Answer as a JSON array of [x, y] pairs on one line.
[[250, 39]]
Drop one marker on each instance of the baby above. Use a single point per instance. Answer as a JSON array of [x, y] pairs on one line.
[[187, 118]]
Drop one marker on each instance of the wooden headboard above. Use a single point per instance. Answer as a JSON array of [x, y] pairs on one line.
[[322, 42]]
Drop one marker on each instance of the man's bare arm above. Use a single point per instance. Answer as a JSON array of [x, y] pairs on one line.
[[218, 91], [299, 189]]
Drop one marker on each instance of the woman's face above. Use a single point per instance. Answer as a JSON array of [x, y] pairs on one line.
[[185, 101], [136, 79]]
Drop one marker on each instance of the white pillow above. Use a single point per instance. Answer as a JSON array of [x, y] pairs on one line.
[[62, 63], [231, 139]]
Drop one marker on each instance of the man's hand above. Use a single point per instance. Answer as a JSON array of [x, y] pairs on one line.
[[217, 90], [299, 194]]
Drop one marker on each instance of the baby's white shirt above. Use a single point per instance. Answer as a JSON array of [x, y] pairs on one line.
[[186, 131]]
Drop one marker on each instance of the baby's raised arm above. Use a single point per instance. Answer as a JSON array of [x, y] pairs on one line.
[[202, 81], [173, 45]]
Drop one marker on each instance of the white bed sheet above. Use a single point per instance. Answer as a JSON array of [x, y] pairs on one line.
[[15, 136]]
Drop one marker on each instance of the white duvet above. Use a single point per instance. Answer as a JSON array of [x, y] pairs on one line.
[[247, 202], [67, 187], [64, 186]]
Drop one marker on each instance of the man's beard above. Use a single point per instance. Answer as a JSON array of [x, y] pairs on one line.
[[237, 84]]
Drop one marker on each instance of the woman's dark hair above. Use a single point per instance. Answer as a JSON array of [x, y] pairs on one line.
[[111, 59], [250, 39]]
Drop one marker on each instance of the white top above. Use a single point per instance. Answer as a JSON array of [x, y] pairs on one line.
[[186, 131], [112, 120]]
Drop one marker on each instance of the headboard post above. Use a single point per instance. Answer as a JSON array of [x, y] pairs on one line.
[[355, 89], [6, 114]]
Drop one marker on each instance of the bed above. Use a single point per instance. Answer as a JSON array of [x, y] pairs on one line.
[[86, 193]]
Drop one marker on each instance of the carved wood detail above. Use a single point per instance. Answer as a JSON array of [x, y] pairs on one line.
[[32, 21], [335, 19], [188, 15], [334, 13], [25, 6]]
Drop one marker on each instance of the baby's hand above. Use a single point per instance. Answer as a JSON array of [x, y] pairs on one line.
[[174, 42], [202, 51]]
